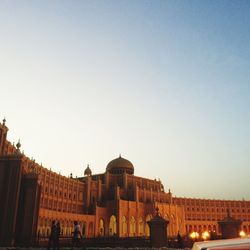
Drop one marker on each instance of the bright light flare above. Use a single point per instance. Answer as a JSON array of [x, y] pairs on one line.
[[194, 235], [205, 235], [242, 233]]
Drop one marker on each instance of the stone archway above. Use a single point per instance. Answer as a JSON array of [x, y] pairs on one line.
[[101, 231], [147, 230], [84, 228], [91, 229], [166, 217], [140, 226], [112, 226], [124, 227], [132, 227], [172, 224]]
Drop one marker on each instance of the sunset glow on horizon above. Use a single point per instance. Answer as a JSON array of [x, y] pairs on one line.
[[166, 84]]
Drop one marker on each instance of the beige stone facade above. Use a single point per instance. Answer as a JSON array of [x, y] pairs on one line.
[[115, 202]]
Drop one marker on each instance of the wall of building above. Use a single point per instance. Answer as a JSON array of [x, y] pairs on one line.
[[105, 204], [203, 214]]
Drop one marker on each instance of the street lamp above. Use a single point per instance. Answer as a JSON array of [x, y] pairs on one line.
[[205, 235], [194, 235], [242, 233]]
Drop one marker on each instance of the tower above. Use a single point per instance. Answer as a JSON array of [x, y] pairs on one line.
[[3, 135]]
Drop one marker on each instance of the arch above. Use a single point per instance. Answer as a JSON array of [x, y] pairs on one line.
[[132, 226], [84, 228], [48, 225], [172, 225], [112, 225], [147, 230], [166, 217], [62, 225], [71, 226], [101, 227], [124, 226], [90, 229], [140, 226], [172, 218]]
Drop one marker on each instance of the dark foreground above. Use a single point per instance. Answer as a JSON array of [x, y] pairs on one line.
[[105, 243], [91, 248]]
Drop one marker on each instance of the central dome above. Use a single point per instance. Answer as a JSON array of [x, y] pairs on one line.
[[120, 166]]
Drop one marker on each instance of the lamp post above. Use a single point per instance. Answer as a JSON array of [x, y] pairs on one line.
[[205, 235], [242, 233], [194, 236]]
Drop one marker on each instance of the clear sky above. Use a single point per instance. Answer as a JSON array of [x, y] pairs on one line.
[[164, 83]]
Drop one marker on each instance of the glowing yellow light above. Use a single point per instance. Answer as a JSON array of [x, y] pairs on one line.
[[205, 235], [194, 235], [242, 234]]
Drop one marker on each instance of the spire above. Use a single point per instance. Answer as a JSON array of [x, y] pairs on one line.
[[18, 145], [4, 120]]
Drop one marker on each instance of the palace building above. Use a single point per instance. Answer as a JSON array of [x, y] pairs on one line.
[[112, 203]]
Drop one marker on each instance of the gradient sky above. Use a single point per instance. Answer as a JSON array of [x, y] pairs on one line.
[[164, 83]]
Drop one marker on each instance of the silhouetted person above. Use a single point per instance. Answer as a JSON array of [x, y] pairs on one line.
[[179, 240], [77, 235], [52, 237], [58, 233]]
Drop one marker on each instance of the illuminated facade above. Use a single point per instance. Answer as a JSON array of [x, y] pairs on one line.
[[115, 202]]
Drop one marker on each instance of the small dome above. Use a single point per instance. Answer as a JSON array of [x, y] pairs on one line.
[[87, 171], [120, 166]]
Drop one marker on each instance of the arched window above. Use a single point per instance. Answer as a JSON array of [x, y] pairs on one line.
[[101, 227], [124, 227], [148, 218], [141, 226], [112, 225], [132, 226], [84, 228], [172, 219], [68, 231], [90, 229]]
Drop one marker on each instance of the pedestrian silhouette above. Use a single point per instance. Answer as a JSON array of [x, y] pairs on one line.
[[179, 240], [52, 237], [77, 235], [58, 233]]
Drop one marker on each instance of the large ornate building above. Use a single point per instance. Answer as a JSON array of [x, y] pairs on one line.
[[115, 202]]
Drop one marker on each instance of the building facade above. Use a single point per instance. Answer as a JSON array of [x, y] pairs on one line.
[[113, 203]]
